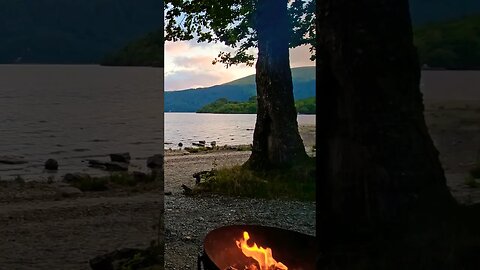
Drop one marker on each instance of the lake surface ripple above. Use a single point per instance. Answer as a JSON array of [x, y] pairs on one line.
[[77, 112]]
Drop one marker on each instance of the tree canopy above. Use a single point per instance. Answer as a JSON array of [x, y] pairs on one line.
[[233, 22], [145, 51]]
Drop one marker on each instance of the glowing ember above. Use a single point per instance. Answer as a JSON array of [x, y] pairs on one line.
[[262, 255]]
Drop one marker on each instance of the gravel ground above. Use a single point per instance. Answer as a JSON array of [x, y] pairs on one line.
[[42, 230], [65, 234], [189, 219]]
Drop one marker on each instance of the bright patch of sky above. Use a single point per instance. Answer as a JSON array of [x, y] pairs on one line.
[[188, 64]]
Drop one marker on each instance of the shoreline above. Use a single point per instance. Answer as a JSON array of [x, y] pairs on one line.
[[93, 223], [307, 132]]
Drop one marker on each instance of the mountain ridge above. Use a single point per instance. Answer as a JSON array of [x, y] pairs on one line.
[[191, 100]]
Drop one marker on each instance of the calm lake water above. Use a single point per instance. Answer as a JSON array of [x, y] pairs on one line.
[[238, 128], [228, 129], [76, 112], [72, 113]]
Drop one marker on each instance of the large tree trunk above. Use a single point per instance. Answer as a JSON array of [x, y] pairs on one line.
[[381, 165], [276, 140]]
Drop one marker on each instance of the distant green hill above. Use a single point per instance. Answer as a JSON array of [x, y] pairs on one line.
[[222, 105], [146, 51], [301, 74], [191, 100], [452, 45]]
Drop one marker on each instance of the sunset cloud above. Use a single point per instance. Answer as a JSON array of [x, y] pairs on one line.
[[189, 65]]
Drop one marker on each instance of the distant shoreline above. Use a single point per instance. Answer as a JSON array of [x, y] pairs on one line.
[[233, 113]]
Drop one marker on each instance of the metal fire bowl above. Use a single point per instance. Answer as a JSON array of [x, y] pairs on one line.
[[294, 249]]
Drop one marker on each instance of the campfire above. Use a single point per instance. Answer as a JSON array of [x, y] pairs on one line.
[[263, 256], [252, 247]]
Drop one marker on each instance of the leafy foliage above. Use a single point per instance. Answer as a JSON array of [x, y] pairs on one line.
[[146, 51], [222, 105], [233, 23]]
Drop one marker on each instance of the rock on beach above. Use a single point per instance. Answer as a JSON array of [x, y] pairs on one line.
[[51, 164]]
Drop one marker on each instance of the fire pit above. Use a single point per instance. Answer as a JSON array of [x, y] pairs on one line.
[[247, 247]]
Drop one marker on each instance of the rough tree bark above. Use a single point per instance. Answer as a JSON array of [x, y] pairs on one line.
[[276, 140], [380, 163]]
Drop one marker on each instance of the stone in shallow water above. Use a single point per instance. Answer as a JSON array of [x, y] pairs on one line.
[[116, 166], [95, 163], [51, 164], [120, 157]]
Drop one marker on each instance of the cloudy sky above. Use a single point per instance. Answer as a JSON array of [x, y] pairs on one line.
[[189, 65]]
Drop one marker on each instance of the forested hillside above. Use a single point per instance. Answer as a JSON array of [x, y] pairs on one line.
[[452, 45], [146, 51], [71, 31], [428, 11], [223, 105], [191, 100]]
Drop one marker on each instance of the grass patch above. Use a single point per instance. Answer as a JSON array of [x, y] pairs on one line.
[[475, 171], [120, 179], [90, 184], [296, 183], [196, 149], [471, 182], [242, 147]]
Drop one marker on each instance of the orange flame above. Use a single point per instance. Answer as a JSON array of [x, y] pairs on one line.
[[262, 255]]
